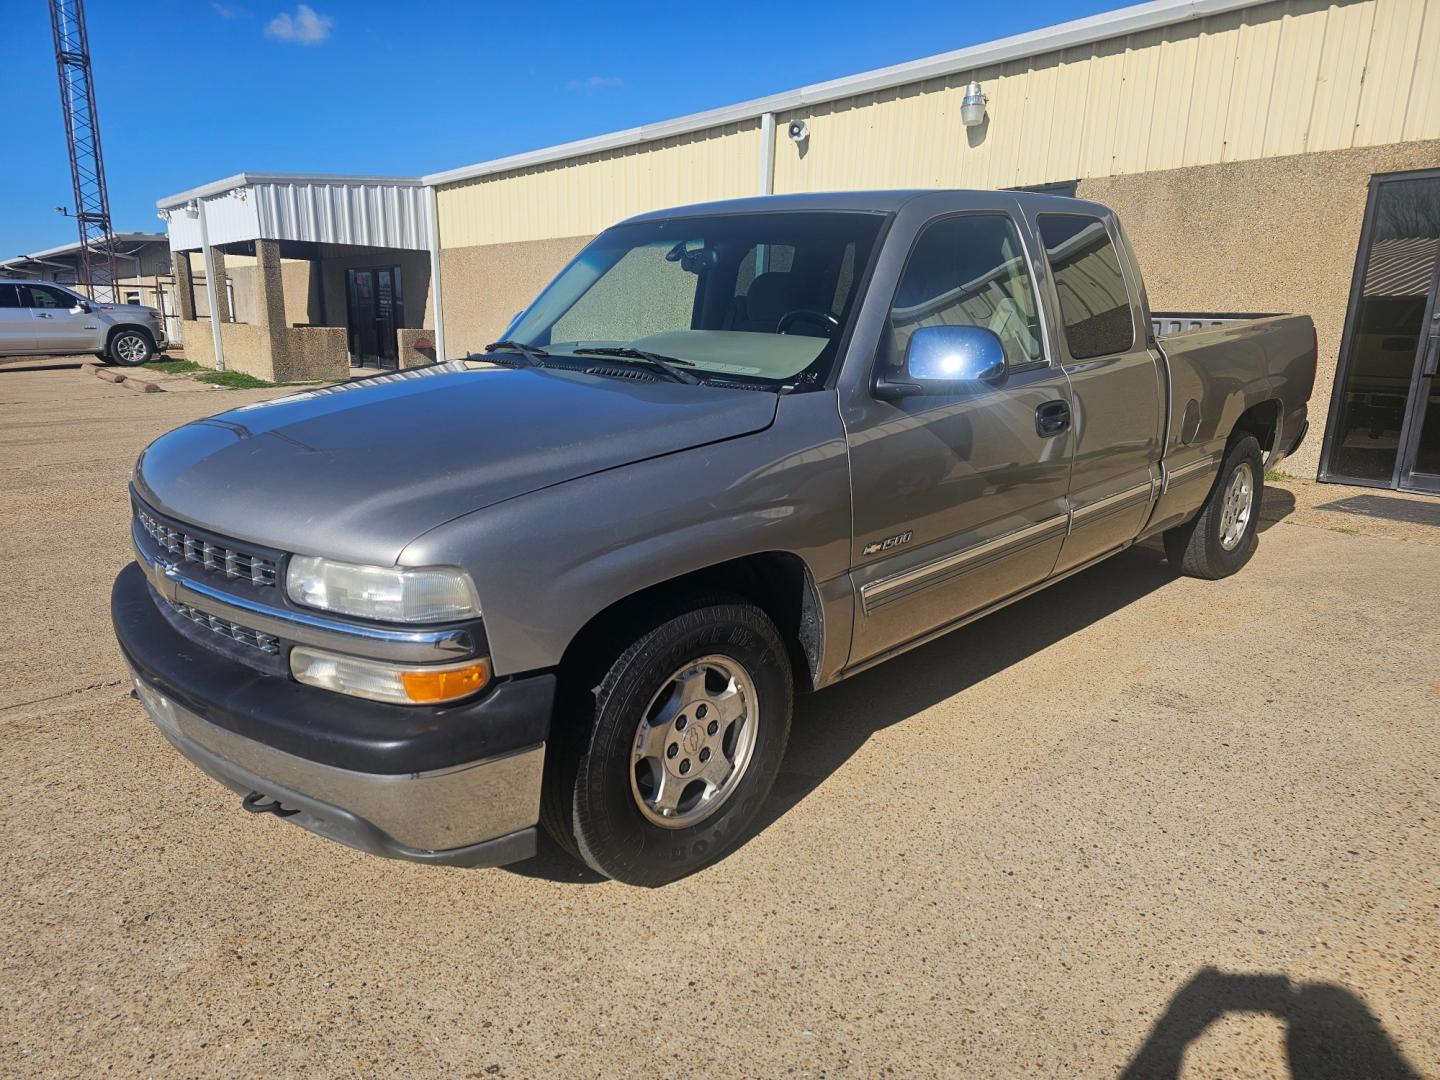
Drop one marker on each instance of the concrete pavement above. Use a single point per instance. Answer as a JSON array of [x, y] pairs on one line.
[[1136, 824]]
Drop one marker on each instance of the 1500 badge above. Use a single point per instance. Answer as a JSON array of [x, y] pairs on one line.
[[877, 546]]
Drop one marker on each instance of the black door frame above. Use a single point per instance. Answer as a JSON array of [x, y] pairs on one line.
[[397, 307], [1409, 431]]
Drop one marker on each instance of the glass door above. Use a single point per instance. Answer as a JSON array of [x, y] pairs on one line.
[[1384, 428]]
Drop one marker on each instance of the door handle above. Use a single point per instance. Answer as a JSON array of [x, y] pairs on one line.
[[43, 315], [1051, 418], [1431, 367]]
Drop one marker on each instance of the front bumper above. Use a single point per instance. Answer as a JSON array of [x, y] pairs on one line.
[[456, 785]]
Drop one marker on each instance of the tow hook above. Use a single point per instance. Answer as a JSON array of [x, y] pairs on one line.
[[255, 803]]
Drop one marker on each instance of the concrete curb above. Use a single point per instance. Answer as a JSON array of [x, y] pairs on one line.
[[109, 374]]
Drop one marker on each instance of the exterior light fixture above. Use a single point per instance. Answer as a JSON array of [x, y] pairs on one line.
[[972, 105], [192, 209], [163, 215], [798, 131]]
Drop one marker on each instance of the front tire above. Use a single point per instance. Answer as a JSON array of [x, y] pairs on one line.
[[691, 723], [131, 348], [1220, 539]]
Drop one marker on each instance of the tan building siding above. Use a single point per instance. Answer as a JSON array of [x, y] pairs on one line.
[[1273, 80], [583, 195], [1270, 81]]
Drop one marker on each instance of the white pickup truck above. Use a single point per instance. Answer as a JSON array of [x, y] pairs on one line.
[[40, 318]]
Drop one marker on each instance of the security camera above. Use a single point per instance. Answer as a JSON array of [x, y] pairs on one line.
[[798, 131]]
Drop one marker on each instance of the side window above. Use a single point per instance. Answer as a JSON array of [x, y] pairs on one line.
[[1094, 304], [644, 293], [45, 296], [9, 296], [968, 270]]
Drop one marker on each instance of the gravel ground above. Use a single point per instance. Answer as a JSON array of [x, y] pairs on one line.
[[1135, 825]]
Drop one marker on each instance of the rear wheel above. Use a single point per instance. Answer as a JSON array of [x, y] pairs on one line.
[[690, 725], [1220, 539], [131, 348]]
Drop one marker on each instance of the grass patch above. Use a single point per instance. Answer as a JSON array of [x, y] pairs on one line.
[[1277, 474], [172, 367], [233, 380]]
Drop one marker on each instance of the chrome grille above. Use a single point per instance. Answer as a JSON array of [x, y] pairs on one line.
[[227, 629], [217, 558]]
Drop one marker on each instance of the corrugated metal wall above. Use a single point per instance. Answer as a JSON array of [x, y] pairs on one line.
[[584, 195], [1276, 79], [370, 215]]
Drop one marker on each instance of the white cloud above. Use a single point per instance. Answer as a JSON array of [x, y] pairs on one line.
[[305, 27], [594, 82], [228, 11]]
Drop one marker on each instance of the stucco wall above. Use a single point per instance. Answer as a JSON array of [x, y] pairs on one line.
[[277, 355], [486, 285], [1279, 234]]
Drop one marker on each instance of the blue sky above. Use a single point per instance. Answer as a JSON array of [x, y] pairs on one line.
[[190, 91]]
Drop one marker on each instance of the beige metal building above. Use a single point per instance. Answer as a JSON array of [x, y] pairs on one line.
[[1267, 157]]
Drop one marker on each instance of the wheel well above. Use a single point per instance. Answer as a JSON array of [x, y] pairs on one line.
[[777, 582], [1262, 421], [110, 337]]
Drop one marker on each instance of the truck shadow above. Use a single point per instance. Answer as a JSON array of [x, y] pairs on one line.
[[830, 726], [1330, 1033]]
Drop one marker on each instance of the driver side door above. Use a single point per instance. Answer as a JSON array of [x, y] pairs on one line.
[[57, 324], [959, 499]]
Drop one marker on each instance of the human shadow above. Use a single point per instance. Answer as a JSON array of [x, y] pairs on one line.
[[1330, 1033]]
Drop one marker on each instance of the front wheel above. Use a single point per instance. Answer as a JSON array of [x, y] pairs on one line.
[[1220, 539], [131, 348], [691, 723]]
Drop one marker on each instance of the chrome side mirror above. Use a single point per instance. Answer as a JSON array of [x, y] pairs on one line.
[[946, 360]]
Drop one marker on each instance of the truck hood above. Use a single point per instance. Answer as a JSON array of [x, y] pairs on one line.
[[359, 470]]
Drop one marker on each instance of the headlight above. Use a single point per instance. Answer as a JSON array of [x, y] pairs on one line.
[[429, 685], [385, 593]]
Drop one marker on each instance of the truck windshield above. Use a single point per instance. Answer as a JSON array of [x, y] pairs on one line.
[[758, 297]]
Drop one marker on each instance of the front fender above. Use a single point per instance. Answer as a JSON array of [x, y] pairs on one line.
[[548, 562]]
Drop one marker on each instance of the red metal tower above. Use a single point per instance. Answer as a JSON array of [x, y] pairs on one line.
[[82, 131]]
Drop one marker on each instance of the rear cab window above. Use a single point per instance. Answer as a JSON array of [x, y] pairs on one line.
[[1095, 310]]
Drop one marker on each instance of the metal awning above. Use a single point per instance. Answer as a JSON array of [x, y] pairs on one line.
[[367, 211]]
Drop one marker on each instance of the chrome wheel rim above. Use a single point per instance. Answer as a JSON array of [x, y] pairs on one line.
[[694, 742], [130, 348], [1237, 506]]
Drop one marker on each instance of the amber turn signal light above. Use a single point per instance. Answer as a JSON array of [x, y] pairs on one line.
[[447, 684]]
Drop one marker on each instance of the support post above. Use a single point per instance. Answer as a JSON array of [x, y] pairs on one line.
[[210, 291], [437, 293], [767, 154]]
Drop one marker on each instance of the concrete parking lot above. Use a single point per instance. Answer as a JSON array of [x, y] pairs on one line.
[[1136, 825]]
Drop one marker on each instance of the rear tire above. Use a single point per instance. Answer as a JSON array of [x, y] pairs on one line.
[[131, 348], [1220, 539], [690, 725]]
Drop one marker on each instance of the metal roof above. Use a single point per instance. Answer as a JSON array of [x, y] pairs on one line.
[[1110, 24], [73, 248], [242, 180]]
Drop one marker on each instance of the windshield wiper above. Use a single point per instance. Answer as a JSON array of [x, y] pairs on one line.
[[666, 365], [530, 353]]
